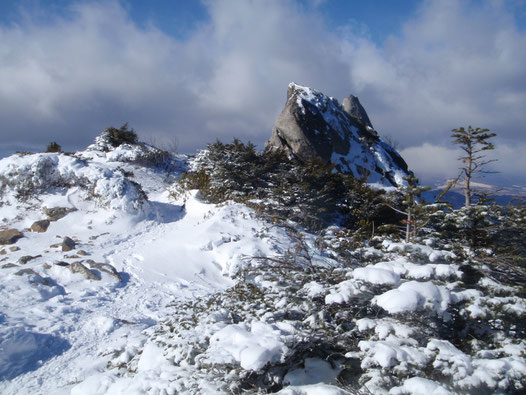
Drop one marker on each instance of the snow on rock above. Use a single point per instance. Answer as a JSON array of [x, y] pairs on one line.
[[252, 345], [413, 295], [315, 125]]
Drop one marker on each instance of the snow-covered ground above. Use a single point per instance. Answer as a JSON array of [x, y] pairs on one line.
[[137, 314]]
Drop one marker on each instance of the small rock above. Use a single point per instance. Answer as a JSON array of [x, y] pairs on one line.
[[56, 213], [82, 253], [26, 271], [26, 258], [3, 252], [36, 279], [40, 226], [14, 248], [77, 267], [10, 236], [61, 263], [104, 267], [71, 256], [67, 244], [54, 245], [46, 266], [9, 265]]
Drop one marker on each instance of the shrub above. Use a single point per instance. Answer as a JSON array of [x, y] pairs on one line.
[[53, 147], [123, 135]]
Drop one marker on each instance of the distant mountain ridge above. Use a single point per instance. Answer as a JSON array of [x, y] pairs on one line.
[[315, 125]]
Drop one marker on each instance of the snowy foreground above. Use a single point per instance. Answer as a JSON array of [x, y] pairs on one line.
[[146, 311]]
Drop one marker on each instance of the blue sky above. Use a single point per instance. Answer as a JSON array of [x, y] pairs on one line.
[[199, 71]]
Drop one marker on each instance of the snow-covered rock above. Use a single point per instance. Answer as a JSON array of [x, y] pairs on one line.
[[313, 125]]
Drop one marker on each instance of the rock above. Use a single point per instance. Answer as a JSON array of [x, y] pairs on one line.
[[9, 265], [14, 248], [56, 213], [47, 266], [77, 267], [26, 271], [104, 267], [10, 236], [352, 106], [67, 244], [40, 226], [3, 252], [36, 279], [313, 125], [62, 263], [25, 259], [82, 253]]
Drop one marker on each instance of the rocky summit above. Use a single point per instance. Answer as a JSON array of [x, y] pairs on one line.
[[313, 125]]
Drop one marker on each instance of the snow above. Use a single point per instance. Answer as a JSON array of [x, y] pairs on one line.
[[61, 333], [413, 295], [252, 346], [419, 386]]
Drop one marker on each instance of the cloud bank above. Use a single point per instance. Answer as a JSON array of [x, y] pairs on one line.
[[454, 63]]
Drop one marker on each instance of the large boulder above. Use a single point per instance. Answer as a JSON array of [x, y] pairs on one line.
[[313, 125], [40, 226], [10, 236]]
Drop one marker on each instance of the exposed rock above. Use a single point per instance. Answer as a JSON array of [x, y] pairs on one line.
[[14, 248], [67, 244], [82, 253], [62, 263], [40, 226], [352, 106], [10, 236], [26, 258], [3, 252], [56, 213], [77, 267], [104, 267], [36, 279], [9, 265], [21, 272], [313, 125]]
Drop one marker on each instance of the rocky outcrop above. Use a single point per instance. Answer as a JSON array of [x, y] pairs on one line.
[[313, 125]]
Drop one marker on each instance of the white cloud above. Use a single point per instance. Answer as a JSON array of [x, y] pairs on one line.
[[455, 63]]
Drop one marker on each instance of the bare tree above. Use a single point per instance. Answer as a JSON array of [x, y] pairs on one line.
[[473, 142]]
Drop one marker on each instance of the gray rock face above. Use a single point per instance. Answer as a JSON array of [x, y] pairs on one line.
[[10, 236], [77, 267], [352, 106], [313, 125]]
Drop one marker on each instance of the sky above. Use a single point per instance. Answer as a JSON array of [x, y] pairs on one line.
[[194, 72]]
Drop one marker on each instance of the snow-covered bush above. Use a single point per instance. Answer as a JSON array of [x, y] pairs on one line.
[[24, 178]]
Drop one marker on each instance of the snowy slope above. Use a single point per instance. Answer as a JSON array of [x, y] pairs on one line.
[[189, 297]]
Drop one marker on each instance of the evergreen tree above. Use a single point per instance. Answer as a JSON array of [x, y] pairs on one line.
[[53, 147], [473, 142]]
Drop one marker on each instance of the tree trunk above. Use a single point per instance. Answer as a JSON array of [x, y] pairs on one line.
[[408, 226]]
